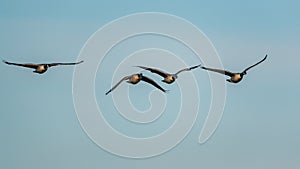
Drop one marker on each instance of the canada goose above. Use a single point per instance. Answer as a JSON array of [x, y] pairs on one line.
[[40, 68], [134, 79], [168, 78], [234, 77]]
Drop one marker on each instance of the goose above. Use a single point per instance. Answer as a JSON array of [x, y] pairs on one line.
[[234, 77], [40, 68], [134, 79], [168, 78]]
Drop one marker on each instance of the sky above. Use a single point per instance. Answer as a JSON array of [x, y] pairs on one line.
[[259, 128]]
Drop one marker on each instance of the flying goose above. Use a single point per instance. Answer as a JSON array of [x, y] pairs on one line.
[[234, 77], [168, 78], [40, 68], [134, 79]]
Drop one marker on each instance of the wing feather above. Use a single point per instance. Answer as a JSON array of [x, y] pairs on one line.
[[159, 72], [187, 69], [255, 64], [225, 72], [56, 64], [116, 85], [150, 81], [28, 65]]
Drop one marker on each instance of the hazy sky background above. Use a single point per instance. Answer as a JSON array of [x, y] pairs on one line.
[[260, 127]]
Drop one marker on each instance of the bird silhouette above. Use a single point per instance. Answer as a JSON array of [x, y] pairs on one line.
[[168, 78], [40, 68], [134, 79], [234, 77]]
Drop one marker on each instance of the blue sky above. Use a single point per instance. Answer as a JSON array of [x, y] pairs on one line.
[[259, 129]]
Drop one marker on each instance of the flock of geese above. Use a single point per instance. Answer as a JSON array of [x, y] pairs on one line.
[[136, 78]]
